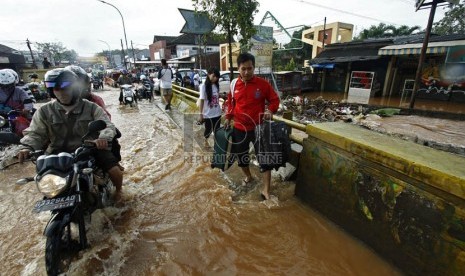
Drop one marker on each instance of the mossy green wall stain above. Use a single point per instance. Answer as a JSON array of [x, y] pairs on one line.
[[421, 231]]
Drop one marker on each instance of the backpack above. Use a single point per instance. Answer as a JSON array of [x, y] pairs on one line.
[[160, 75]]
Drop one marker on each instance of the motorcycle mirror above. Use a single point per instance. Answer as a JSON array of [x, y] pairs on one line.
[[94, 127], [27, 101], [98, 125], [9, 138]]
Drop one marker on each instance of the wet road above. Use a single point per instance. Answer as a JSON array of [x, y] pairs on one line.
[[180, 217]]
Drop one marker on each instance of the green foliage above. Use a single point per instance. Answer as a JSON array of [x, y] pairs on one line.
[[290, 66], [233, 17], [56, 51], [453, 21], [298, 52], [383, 30], [70, 55]]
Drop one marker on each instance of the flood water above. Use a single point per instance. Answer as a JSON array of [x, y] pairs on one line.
[[180, 217]]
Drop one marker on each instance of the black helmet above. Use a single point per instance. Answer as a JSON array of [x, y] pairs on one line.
[[82, 75], [62, 78]]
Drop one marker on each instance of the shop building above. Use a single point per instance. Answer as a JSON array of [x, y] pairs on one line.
[[386, 68]]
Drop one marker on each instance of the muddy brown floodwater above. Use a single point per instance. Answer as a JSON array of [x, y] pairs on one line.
[[180, 217]]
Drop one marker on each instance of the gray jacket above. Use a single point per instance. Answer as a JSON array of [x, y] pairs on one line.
[[51, 127]]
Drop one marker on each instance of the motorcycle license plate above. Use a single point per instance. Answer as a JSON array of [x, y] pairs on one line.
[[129, 99], [55, 203], [5, 129]]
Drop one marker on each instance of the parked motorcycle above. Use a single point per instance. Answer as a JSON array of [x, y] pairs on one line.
[[73, 188], [129, 96]]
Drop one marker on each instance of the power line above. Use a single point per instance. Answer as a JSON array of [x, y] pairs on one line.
[[345, 12]]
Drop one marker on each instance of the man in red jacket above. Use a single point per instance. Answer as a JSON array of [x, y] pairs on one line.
[[252, 101]]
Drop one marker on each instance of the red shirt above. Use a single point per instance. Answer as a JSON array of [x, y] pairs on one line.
[[248, 105]]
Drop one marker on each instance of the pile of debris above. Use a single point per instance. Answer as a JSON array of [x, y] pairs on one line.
[[441, 134], [309, 111]]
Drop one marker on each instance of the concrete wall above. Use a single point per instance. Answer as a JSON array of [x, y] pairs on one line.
[[404, 200]]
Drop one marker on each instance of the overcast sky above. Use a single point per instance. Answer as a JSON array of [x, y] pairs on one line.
[[80, 24]]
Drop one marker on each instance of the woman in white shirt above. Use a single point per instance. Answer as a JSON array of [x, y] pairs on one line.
[[210, 110]]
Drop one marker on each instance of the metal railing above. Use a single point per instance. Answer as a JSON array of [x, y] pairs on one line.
[[186, 92]]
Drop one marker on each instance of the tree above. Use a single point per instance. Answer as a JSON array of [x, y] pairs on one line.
[[453, 21], [291, 66], [298, 51], [402, 30], [52, 50], [56, 52], [70, 55], [233, 17], [383, 30]]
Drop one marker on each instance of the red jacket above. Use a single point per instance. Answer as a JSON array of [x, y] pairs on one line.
[[99, 101], [248, 105]]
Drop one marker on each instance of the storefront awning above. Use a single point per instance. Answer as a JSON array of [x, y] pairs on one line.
[[415, 49]]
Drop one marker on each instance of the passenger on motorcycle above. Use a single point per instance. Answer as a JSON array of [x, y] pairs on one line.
[[148, 86], [86, 92], [59, 125], [12, 97], [125, 78]]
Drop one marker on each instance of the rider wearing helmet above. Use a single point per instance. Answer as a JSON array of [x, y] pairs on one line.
[[92, 97], [86, 87], [125, 78], [12, 97], [58, 126]]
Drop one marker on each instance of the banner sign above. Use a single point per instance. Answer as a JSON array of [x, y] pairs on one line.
[[262, 48], [456, 54], [196, 22]]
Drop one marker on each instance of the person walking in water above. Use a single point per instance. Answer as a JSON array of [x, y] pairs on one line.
[[246, 105], [209, 107], [165, 75]]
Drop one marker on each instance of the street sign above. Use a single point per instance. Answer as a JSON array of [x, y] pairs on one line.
[[196, 22], [421, 3]]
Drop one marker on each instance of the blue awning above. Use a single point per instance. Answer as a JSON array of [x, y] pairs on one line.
[[324, 65]]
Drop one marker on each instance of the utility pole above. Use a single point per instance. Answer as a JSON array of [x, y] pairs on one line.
[[133, 55], [34, 65], [423, 53], [199, 54], [324, 33], [124, 55]]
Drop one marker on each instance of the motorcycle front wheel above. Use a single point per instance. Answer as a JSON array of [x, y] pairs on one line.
[[59, 250]]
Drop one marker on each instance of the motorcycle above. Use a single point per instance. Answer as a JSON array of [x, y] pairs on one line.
[[144, 91], [73, 188], [97, 83], [37, 93], [129, 96], [13, 122]]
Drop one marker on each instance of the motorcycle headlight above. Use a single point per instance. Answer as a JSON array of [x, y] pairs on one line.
[[2, 121], [51, 185]]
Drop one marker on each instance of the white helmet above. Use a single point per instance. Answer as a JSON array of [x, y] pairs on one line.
[[6, 77], [142, 77], [14, 74]]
